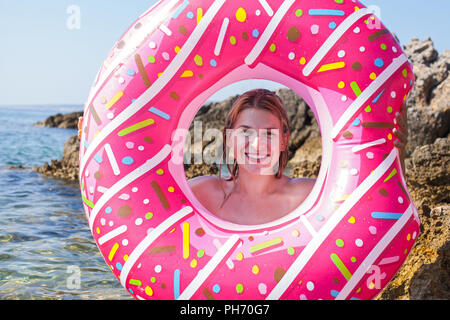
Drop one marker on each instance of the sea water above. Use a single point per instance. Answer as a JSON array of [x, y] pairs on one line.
[[46, 248]]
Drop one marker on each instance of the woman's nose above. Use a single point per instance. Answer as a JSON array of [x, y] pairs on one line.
[[258, 141]]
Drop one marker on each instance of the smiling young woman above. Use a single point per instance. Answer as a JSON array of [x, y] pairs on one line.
[[255, 141]]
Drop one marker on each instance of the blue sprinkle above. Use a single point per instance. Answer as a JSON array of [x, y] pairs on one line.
[[332, 25], [127, 160], [326, 12], [133, 100], [159, 113], [213, 63], [131, 291], [319, 217], [130, 72], [176, 283], [379, 62], [378, 97], [118, 266], [216, 288], [356, 122], [255, 33], [386, 215], [180, 9], [190, 15], [98, 158], [108, 210]]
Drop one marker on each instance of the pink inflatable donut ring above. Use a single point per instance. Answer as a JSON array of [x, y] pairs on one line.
[[345, 241]]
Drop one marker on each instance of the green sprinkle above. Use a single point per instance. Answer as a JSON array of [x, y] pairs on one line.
[[340, 243], [136, 127], [135, 282], [299, 13], [89, 203], [200, 253], [239, 288], [355, 88]]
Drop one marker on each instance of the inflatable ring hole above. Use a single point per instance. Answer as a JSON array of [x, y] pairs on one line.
[[204, 160]]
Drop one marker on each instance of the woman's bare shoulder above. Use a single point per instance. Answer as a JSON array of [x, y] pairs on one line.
[[202, 181], [207, 190], [202, 186], [300, 185]]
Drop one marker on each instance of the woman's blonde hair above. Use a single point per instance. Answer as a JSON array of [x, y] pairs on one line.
[[260, 99]]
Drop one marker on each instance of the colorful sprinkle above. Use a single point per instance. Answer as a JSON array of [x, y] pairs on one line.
[[266, 244], [386, 215], [332, 66], [198, 60], [216, 288], [241, 15], [136, 127], [379, 62], [127, 160], [341, 266]]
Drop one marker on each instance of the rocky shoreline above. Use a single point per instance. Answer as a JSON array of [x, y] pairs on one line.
[[426, 272]]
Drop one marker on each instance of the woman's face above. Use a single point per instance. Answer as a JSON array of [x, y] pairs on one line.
[[257, 141]]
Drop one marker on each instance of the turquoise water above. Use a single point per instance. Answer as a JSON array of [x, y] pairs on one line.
[[46, 248]]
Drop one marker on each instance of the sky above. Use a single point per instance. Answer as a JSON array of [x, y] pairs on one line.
[[44, 61]]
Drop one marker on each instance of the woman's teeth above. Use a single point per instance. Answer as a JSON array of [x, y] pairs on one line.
[[255, 156]]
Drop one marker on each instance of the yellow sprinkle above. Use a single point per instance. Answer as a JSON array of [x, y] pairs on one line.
[[98, 230], [255, 269], [240, 256], [177, 49], [266, 244], [198, 60], [96, 133], [352, 219], [171, 189], [302, 60], [332, 66], [114, 99], [390, 136], [373, 76], [241, 15], [125, 257], [159, 74], [199, 15], [194, 263], [113, 251], [186, 239], [149, 291], [295, 233], [408, 237], [187, 74], [341, 84], [159, 171]]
